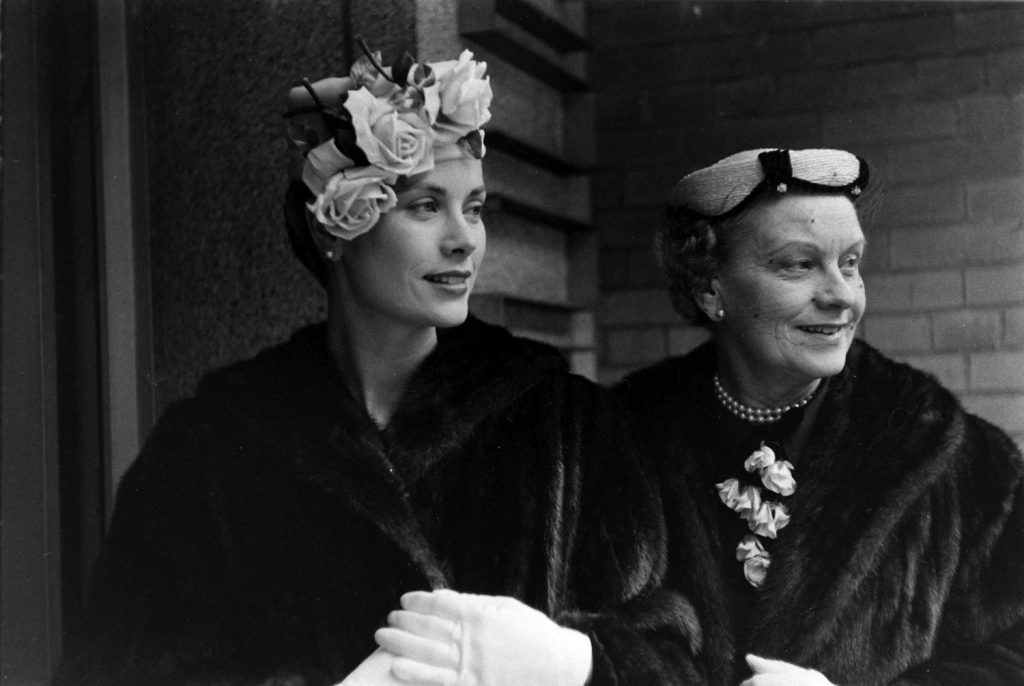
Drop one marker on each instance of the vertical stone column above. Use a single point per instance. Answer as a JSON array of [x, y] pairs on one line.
[[387, 25], [540, 276]]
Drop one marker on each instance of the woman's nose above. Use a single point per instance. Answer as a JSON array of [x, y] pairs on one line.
[[836, 289], [461, 236]]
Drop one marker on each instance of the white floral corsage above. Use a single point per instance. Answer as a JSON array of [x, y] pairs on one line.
[[764, 517]]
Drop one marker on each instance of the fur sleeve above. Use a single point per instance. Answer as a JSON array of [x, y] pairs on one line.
[[158, 611], [981, 638], [641, 634]]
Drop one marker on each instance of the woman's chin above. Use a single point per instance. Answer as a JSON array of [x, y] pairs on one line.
[[451, 315], [824, 365]]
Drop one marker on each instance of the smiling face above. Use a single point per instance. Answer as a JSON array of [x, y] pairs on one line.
[[417, 266], [792, 294]]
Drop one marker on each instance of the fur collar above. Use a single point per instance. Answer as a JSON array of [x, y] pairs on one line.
[[475, 371], [296, 418]]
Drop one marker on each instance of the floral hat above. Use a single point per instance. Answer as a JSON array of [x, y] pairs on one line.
[[724, 187], [351, 137]]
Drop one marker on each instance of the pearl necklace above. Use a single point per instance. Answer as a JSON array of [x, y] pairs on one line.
[[756, 415]]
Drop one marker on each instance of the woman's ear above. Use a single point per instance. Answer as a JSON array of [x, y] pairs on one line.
[[710, 300], [329, 247]]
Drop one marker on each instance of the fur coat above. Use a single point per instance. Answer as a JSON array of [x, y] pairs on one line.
[[904, 559], [268, 526]]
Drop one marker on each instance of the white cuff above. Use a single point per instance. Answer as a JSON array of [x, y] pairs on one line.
[[373, 671]]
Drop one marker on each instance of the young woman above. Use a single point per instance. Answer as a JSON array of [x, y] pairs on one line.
[[399, 462], [828, 508]]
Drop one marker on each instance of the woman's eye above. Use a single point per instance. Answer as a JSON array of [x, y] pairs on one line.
[[475, 211], [424, 206], [851, 264], [799, 265]]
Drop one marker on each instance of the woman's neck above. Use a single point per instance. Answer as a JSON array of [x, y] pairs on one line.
[[754, 388], [377, 358]]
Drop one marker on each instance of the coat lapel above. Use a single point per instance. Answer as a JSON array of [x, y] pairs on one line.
[[337, 449], [475, 371], [861, 473]]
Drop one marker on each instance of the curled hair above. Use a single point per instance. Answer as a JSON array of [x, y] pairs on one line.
[[299, 236], [690, 250]]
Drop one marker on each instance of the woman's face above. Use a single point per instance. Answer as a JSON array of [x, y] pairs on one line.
[[417, 266], [791, 290]]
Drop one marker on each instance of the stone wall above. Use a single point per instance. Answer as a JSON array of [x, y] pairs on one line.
[[224, 282]]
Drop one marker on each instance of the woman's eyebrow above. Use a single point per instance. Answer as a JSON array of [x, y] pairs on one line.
[[440, 190], [428, 187], [800, 242], [781, 246], [773, 251]]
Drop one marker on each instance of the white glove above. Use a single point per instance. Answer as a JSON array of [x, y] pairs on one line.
[[780, 673], [373, 671], [444, 638]]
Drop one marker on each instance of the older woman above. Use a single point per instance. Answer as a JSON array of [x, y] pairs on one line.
[[834, 515], [396, 464]]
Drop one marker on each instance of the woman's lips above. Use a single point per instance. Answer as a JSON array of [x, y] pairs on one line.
[[828, 329], [452, 281], [448, 278]]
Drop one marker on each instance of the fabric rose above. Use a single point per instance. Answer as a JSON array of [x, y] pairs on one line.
[[421, 93], [778, 477], [755, 570], [749, 547], [742, 499], [755, 558], [398, 143], [759, 459], [464, 91], [349, 207], [368, 76], [729, 492], [768, 518], [749, 501], [321, 163]]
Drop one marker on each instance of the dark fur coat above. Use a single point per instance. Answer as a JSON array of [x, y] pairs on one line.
[[904, 559], [268, 527]]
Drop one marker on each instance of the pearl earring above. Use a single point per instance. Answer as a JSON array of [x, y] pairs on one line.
[[329, 254], [719, 314]]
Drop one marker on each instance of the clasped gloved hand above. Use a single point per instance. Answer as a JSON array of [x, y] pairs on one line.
[[444, 638], [781, 673]]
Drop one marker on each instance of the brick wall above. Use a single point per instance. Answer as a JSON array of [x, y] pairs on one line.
[[931, 93]]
